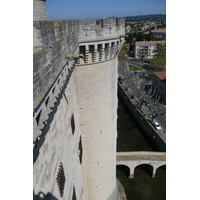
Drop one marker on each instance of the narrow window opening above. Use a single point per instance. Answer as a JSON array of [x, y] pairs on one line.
[[74, 194], [72, 124], [82, 51], [61, 179], [80, 150]]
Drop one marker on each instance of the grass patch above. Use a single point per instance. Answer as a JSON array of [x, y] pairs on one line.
[[134, 68], [123, 54]]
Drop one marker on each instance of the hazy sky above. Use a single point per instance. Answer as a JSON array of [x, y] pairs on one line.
[[83, 9]]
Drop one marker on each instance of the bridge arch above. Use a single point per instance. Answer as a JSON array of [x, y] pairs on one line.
[[135, 159], [162, 166], [124, 168], [146, 167]]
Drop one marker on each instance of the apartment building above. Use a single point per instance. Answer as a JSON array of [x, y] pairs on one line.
[[159, 33], [145, 49]]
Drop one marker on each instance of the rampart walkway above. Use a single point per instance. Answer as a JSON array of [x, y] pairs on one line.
[[134, 159]]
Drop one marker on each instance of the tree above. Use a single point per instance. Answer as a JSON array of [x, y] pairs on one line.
[[129, 39], [140, 37], [134, 29], [159, 60], [150, 36]]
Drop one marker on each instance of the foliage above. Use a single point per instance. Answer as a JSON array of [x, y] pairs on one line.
[[134, 68], [140, 37], [129, 39], [123, 53], [150, 36], [159, 60]]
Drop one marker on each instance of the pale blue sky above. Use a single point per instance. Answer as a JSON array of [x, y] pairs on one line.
[[83, 9]]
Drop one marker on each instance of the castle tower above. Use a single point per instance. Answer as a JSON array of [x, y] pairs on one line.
[[39, 10], [75, 107], [96, 86]]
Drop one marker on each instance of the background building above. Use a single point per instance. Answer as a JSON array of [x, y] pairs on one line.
[[159, 84], [145, 49]]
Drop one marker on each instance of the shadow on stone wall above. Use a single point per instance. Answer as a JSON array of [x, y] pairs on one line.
[[42, 196], [46, 127]]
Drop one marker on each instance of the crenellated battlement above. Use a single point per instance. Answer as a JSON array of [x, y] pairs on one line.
[[110, 28], [75, 107], [54, 40]]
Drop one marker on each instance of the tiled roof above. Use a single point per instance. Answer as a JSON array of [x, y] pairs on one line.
[[149, 43], [161, 75], [162, 30]]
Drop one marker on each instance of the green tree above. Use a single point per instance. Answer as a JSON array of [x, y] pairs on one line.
[[123, 53], [150, 36], [140, 37], [129, 39], [159, 60], [134, 29]]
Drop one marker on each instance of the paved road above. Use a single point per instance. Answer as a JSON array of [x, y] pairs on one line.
[[162, 121]]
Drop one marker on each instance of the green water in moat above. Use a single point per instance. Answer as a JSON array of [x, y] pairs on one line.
[[142, 186]]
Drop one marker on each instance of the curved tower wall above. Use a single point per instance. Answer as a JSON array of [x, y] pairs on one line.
[[97, 103], [96, 86], [39, 10]]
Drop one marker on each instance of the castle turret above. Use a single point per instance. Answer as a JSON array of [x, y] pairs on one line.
[[75, 107], [39, 10], [96, 86]]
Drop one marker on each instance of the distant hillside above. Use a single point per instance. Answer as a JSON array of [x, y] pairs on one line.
[[157, 17]]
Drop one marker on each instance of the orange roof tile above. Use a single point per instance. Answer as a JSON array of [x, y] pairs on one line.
[[161, 75]]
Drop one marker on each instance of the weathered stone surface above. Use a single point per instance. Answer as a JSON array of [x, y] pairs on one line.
[[90, 95], [39, 10], [61, 146], [96, 87]]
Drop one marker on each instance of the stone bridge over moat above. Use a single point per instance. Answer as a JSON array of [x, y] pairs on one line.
[[134, 159]]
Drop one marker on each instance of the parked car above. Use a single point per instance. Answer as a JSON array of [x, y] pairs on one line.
[[156, 125]]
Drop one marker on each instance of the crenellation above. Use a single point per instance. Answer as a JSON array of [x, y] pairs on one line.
[[86, 90]]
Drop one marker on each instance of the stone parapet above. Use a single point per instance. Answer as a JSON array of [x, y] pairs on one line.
[[54, 40], [110, 28]]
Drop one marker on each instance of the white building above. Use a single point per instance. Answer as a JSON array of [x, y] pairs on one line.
[[145, 49]]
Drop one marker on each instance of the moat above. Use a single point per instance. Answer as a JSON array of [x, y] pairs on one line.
[[142, 186]]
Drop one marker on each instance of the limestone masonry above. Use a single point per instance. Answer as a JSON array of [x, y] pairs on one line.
[[75, 107]]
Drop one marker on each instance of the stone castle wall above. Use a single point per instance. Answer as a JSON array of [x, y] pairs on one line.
[[81, 97], [39, 10], [61, 145], [52, 41], [90, 31], [97, 103]]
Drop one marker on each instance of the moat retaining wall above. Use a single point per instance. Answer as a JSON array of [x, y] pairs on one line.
[[149, 132]]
